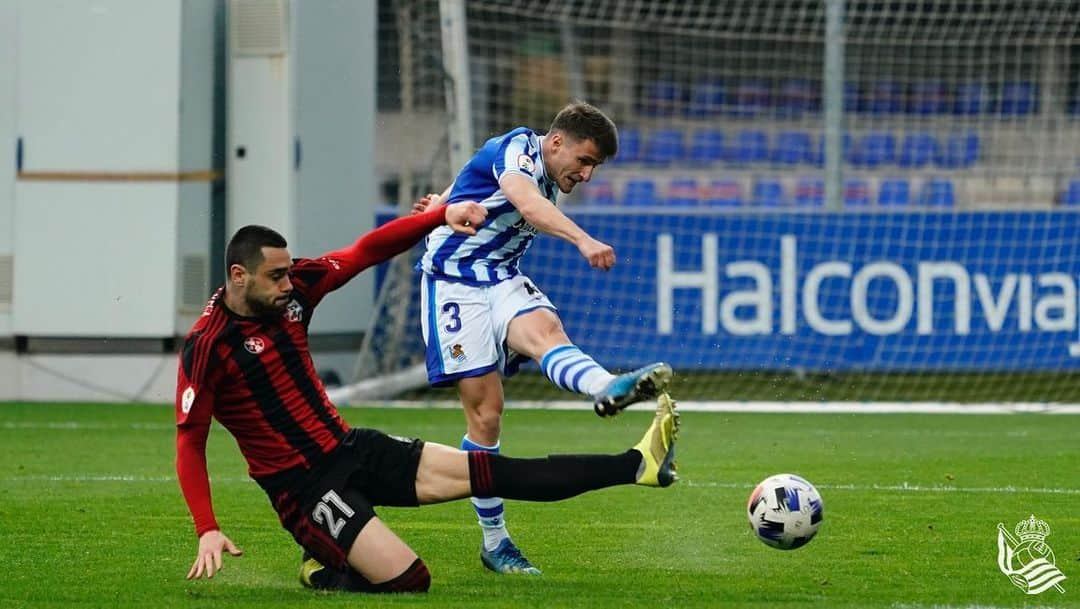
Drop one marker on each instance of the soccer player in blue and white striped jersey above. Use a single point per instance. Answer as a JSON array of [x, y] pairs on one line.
[[482, 318]]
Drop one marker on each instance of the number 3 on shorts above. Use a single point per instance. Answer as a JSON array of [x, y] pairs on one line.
[[455, 316], [323, 515]]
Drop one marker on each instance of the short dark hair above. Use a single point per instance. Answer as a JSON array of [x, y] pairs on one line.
[[245, 247], [585, 121]]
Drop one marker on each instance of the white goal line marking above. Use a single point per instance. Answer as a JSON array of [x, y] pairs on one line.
[[903, 487]]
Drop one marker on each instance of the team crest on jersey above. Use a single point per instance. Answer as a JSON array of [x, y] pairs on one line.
[[526, 164], [294, 311], [457, 353], [254, 344]]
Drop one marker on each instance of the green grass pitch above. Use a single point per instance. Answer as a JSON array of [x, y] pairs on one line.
[[91, 515]]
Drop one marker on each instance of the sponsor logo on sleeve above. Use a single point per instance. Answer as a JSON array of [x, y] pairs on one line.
[[526, 164], [187, 399]]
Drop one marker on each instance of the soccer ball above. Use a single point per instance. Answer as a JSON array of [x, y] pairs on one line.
[[785, 511]]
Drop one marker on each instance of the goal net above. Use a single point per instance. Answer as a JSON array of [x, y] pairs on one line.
[[946, 267]]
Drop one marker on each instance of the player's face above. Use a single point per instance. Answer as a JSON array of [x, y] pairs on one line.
[[268, 289], [573, 161]]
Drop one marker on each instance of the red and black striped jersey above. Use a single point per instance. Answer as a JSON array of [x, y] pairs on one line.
[[262, 379], [257, 378]]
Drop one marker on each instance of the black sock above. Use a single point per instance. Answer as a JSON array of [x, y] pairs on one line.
[[414, 579], [551, 478]]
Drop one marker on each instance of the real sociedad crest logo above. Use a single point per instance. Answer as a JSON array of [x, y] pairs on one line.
[[1029, 562], [254, 344]]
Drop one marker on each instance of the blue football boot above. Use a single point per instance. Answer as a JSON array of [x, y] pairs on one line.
[[642, 384], [507, 558]]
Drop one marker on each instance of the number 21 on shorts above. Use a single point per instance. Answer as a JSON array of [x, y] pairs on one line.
[[323, 515]]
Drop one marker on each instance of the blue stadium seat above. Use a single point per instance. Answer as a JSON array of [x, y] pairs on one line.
[[1072, 106], [917, 150], [723, 193], [1071, 196], [961, 150], [856, 193], [683, 192], [874, 149], [817, 156], [971, 98], [938, 192], [798, 96], [853, 101], [767, 192], [810, 192], [751, 98], [664, 147], [749, 147], [885, 97], [707, 98], [894, 192], [792, 148], [1018, 98], [706, 147], [599, 191], [927, 98], [662, 97], [629, 147], [641, 192]]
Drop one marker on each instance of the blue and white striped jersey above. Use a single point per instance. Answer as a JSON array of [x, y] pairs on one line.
[[492, 254]]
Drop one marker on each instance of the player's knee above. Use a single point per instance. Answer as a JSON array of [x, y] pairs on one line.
[[416, 578]]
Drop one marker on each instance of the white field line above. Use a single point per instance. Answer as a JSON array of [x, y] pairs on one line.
[[688, 406], [785, 407], [903, 487], [84, 426]]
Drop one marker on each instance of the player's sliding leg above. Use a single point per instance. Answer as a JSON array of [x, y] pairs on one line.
[[378, 562], [650, 463], [482, 398], [657, 446]]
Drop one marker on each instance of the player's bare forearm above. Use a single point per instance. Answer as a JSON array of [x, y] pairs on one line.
[[538, 210], [550, 220]]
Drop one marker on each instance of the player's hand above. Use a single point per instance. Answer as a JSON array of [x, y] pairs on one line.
[[421, 205], [211, 545], [465, 216], [599, 254]]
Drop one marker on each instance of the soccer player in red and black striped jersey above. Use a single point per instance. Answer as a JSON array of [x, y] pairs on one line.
[[246, 363]]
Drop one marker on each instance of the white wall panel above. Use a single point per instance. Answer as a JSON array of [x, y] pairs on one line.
[[95, 259], [97, 84], [8, 40]]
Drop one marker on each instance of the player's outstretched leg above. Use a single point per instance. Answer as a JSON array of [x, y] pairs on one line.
[[555, 477], [645, 383], [657, 446]]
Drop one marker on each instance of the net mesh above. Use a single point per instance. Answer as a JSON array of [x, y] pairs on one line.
[[950, 271]]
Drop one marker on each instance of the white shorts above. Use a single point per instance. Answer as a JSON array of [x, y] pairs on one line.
[[470, 324]]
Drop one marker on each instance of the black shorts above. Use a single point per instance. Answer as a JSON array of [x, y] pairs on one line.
[[369, 468]]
